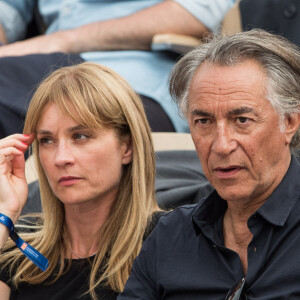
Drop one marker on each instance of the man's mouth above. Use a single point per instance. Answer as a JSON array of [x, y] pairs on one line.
[[228, 172]]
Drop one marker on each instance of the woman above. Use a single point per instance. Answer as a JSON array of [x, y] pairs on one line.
[[95, 163]]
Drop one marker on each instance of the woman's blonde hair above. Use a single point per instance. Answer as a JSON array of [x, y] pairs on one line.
[[100, 97]]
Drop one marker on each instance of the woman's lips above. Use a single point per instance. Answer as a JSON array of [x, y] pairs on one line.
[[68, 180]]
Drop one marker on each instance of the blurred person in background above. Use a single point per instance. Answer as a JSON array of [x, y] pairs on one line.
[[116, 33]]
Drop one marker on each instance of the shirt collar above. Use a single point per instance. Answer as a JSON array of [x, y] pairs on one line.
[[279, 205], [208, 211], [275, 210]]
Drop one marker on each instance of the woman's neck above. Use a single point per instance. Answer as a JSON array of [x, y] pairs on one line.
[[83, 222]]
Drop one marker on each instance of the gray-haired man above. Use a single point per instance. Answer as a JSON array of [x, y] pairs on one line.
[[241, 96]]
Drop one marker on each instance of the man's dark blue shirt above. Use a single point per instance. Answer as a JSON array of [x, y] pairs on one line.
[[185, 256]]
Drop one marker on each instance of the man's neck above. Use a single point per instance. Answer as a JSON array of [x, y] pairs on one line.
[[237, 235]]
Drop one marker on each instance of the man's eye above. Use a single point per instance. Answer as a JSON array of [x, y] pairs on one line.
[[202, 121], [242, 120]]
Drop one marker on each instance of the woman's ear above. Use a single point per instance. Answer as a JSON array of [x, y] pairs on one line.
[[127, 151], [292, 123]]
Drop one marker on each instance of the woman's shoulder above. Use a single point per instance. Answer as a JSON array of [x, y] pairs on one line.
[[6, 272], [72, 284], [5, 275]]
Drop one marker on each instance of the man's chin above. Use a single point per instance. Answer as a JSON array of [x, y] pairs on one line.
[[233, 193]]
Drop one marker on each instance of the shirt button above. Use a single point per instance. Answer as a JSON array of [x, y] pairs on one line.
[[290, 10]]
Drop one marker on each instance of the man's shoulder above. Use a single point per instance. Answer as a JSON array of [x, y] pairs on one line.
[[180, 216], [174, 229]]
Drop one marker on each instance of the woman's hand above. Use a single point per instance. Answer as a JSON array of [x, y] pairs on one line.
[[13, 185]]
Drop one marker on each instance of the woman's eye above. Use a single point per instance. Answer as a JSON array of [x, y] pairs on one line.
[[44, 140], [80, 136]]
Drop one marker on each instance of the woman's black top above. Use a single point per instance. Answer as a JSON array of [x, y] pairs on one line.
[[72, 285]]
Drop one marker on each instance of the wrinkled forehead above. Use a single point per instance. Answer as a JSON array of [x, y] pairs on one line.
[[221, 84]]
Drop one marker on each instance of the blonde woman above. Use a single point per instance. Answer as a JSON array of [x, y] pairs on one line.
[[95, 161]]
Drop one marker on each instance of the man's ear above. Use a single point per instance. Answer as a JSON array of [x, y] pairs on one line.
[[292, 123], [127, 150]]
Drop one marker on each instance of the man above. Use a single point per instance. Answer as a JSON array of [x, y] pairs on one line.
[[116, 33], [241, 96]]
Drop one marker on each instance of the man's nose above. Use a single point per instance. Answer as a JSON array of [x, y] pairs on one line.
[[64, 154], [224, 141]]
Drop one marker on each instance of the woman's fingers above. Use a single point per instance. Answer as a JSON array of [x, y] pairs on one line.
[[18, 141], [7, 154], [12, 149], [13, 185]]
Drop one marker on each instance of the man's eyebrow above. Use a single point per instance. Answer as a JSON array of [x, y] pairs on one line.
[[232, 113], [201, 113], [240, 111]]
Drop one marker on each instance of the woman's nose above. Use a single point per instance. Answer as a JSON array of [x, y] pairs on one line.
[[64, 154]]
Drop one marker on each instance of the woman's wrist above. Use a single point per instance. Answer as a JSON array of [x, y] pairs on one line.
[[14, 216], [35, 256], [4, 234]]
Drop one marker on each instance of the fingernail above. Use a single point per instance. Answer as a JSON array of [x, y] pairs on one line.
[[24, 143], [27, 135]]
